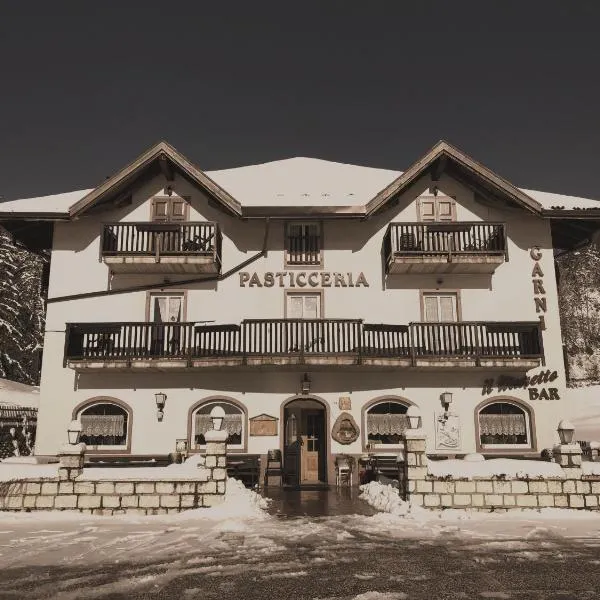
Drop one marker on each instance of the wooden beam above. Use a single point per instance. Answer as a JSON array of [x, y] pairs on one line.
[[165, 167], [438, 167]]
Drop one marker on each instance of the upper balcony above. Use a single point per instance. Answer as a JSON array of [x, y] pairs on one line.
[[444, 247], [291, 342], [156, 247]]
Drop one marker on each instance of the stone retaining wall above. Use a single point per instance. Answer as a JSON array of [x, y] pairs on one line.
[[68, 491], [575, 490]]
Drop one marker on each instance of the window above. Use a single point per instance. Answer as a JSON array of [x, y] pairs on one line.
[[503, 424], [386, 423], [303, 244], [440, 308], [437, 209], [303, 306], [166, 308], [169, 209], [104, 424], [234, 424]]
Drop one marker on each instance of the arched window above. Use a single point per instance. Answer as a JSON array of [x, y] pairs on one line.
[[503, 424], [233, 423], [386, 423], [104, 424]]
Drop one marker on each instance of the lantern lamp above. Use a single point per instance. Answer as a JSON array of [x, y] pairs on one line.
[[306, 385], [565, 431], [74, 432], [217, 414], [414, 417]]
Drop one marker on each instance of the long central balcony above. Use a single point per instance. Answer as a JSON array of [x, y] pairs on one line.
[[288, 342]]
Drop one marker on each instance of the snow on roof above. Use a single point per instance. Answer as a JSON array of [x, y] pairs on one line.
[[298, 181], [303, 181], [19, 394], [56, 203]]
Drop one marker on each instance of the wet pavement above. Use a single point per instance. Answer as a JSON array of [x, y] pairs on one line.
[[332, 502]]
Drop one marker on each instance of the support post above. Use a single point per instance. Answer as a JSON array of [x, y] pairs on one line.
[[71, 458]]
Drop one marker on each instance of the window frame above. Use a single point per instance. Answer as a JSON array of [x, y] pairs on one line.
[[304, 292], [449, 292], [194, 448], [380, 447], [108, 449], [530, 447], [286, 250]]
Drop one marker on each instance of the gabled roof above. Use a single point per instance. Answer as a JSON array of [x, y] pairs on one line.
[[446, 158], [161, 151]]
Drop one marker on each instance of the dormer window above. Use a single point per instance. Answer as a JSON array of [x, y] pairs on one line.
[[303, 243]]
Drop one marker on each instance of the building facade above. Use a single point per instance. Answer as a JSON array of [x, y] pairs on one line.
[[314, 301]]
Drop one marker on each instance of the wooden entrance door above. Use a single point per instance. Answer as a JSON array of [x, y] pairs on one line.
[[312, 445]]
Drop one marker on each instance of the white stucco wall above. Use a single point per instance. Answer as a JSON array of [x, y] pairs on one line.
[[353, 246]]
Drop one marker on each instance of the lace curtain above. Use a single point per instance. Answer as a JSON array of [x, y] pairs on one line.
[[102, 425], [386, 424], [231, 423], [502, 424]]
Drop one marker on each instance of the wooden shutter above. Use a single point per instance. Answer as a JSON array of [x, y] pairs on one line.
[[427, 209], [160, 209], [445, 209], [177, 209]]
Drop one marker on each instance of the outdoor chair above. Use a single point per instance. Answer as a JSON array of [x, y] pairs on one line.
[[343, 472], [274, 466]]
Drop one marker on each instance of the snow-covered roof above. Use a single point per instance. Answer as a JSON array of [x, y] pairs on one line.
[[56, 203], [298, 181], [19, 394]]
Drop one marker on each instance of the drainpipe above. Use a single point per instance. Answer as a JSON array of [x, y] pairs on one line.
[[156, 286]]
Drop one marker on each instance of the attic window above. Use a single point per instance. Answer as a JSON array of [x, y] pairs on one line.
[[303, 243]]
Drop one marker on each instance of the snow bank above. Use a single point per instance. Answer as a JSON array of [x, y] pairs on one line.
[[590, 468], [386, 498], [486, 469]]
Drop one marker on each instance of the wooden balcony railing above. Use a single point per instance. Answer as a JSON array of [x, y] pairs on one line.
[[303, 338], [444, 239], [168, 239]]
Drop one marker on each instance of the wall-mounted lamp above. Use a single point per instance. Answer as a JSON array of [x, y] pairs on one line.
[[446, 399], [217, 415], [434, 190], [169, 190], [74, 432], [161, 398], [414, 417], [305, 384]]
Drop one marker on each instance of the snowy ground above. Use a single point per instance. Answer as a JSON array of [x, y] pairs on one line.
[[241, 551]]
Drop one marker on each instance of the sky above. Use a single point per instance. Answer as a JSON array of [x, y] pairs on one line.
[[87, 86]]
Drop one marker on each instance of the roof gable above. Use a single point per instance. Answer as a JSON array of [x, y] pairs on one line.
[[444, 158], [164, 156]]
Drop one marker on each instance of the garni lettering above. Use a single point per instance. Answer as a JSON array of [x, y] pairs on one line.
[[302, 279], [539, 292], [532, 384]]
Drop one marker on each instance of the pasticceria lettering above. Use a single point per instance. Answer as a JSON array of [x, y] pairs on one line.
[[302, 279]]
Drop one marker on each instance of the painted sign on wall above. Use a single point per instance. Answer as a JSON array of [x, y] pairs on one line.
[[532, 384], [302, 279], [539, 293]]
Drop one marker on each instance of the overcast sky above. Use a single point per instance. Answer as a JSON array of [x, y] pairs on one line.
[[87, 86]]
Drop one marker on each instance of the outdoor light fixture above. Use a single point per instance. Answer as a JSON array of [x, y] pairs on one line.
[[414, 417], [169, 190], [565, 431], [161, 398], [446, 398], [217, 415], [305, 384], [74, 432]]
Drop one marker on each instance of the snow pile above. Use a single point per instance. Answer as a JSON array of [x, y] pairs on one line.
[[508, 467], [386, 498], [590, 468]]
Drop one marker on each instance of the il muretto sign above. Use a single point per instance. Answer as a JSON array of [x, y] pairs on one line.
[[301, 279]]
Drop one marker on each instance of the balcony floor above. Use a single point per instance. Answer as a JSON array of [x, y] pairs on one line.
[[165, 264], [440, 264]]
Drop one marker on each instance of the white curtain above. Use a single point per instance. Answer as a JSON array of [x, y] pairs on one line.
[[102, 425], [502, 424], [231, 423], [174, 309], [162, 303], [390, 424]]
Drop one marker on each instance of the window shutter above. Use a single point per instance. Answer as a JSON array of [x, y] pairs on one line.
[[160, 210], [445, 209], [427, 209], [177, 209]]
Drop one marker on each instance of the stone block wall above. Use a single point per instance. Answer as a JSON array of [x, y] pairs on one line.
[[572, 490], [119, 496]]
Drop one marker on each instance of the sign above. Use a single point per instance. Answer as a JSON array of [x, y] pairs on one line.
[[263, 425], [302, 279], [345, 430], [345, 403], [539, 292], [505, 382]]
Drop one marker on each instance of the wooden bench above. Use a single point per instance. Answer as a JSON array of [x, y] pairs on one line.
[[245, 467]]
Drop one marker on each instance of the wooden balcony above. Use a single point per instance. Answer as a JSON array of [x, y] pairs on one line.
[[153, 247], [444, 247], [295, 342]]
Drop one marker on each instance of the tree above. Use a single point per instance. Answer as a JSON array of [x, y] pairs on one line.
[[21, 311]]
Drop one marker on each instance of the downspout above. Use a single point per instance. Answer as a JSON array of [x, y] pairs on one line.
[[156, 286]]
